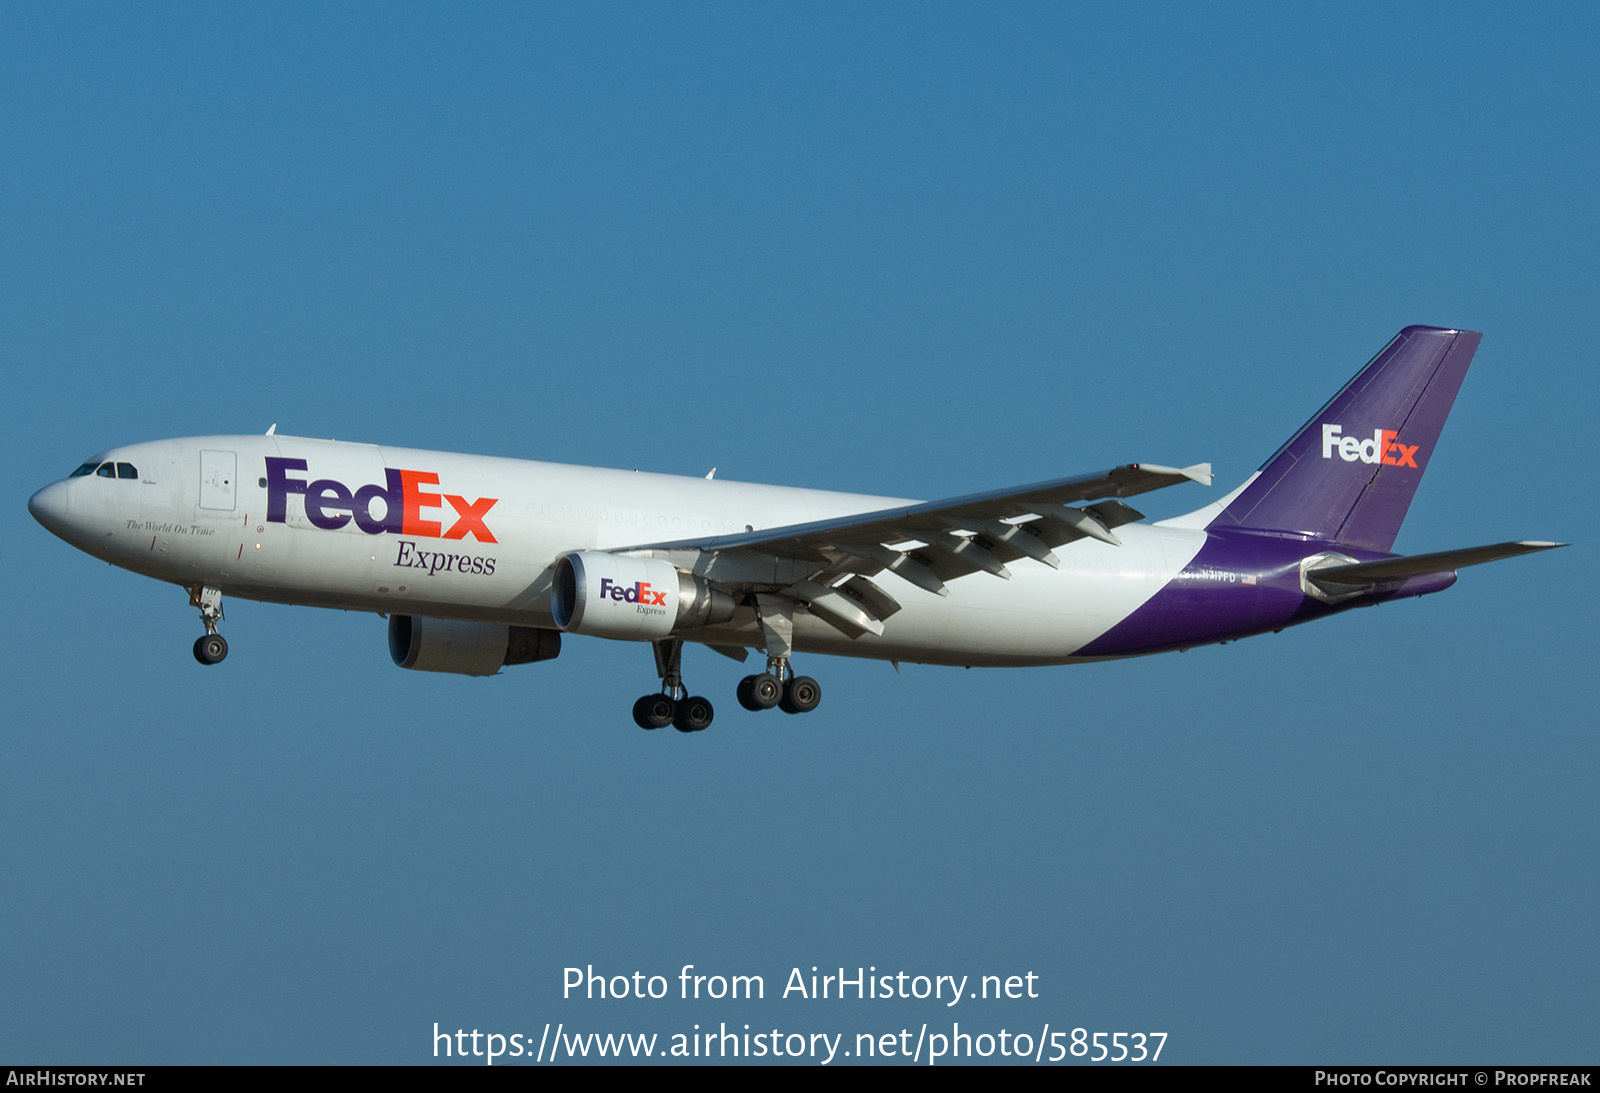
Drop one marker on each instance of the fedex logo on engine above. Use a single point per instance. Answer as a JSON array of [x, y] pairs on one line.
[[1382, 447], [331, 504], [639, 592]]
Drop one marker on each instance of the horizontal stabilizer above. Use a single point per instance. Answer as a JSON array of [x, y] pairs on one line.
[[1359, 574]]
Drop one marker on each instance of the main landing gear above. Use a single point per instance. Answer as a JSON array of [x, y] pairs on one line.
[[777, 686], [210, 647], [673, 706], [796, 694]]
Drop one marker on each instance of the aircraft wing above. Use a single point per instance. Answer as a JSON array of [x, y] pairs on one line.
[[825, 564]]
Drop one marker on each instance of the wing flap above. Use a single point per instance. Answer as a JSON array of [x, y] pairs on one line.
[[824, 565]]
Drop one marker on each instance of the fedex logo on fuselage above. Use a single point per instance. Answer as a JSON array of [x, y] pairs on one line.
[[331, 504], [1382, 447], [639, 592]]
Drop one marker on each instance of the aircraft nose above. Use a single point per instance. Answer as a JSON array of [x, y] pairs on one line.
[[49, 507]]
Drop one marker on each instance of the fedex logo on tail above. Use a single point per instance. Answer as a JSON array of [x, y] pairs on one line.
[[1382, 447], [331, 504]]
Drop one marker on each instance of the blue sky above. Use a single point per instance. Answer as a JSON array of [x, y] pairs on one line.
[[918, 250]]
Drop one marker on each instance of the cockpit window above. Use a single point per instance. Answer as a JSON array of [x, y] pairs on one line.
[[107, 470]]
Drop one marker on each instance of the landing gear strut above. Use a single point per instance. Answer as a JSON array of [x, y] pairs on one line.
[[673, 706], [778, 686], [210, 647]]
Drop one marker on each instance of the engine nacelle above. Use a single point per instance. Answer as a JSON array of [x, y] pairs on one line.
[[635, 599], [466, 648]]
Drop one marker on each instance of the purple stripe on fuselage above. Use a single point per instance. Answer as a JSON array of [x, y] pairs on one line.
[[1242, 583]]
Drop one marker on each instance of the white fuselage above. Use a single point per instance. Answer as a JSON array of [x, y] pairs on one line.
[[480, 536]]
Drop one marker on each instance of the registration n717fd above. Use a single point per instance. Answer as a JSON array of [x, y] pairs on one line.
[[481, 563]]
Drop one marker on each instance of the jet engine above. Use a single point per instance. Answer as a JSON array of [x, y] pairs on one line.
[[466, 648], [636, 599]]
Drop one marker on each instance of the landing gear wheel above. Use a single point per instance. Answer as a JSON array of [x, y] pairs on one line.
[[801, 694], [759, 692], [694, 714], [210, 648], [654, 711]]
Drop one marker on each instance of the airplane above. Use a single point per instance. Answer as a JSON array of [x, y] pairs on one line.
[[480, 563]]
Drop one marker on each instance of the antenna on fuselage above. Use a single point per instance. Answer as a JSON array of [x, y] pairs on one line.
[[272, 428]]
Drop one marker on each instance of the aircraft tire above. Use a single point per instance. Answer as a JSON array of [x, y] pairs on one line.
[[694, 714], [759, 692], [802, 694], [210, 649], [766, 691], [654, 711], [742, 693]]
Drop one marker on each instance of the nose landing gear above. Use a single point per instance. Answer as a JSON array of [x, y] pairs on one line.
[[210, 647]]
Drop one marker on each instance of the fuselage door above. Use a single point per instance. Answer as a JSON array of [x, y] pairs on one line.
[[217, 480]]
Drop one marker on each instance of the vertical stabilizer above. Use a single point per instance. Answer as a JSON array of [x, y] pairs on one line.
[[1349, 474]]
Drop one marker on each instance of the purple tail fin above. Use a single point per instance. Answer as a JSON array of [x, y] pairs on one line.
[[1349, 474]]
